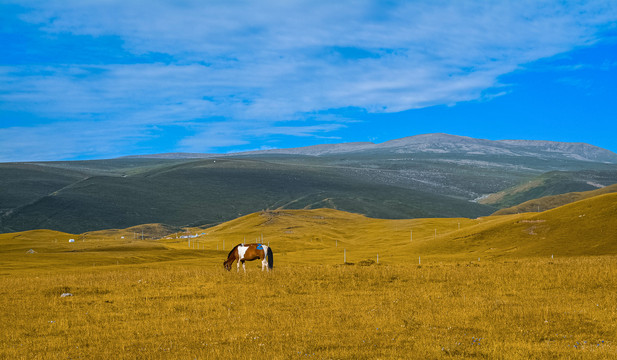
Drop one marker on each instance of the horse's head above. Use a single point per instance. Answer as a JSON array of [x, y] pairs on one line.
[[227, 265]]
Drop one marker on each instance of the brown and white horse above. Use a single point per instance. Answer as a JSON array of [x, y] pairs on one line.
[[249, 252]]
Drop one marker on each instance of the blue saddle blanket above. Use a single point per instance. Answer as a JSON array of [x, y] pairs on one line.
[[260, 247]]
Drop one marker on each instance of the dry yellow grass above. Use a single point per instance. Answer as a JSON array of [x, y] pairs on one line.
[[511, 310], [161, 299], [586, 227]]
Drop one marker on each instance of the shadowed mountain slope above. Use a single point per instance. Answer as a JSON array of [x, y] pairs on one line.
[[209, 191], [434, 175], [549, 184], [551, 202]]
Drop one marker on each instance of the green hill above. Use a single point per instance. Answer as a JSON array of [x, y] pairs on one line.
[[21, 184], [551, 202], [212, 191], [434, 175], [551, 183]]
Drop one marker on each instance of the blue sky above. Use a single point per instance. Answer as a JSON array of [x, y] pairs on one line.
[[105, 78]]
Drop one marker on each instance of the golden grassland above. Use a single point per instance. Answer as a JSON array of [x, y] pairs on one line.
[[519, 309], [536, 285]]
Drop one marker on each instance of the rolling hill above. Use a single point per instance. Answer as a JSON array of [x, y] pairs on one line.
[[586, 227], [208, 191], [324, 236], [553, 201], [434, 175], [550, 183]]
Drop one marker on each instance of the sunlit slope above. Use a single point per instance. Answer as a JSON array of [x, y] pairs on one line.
[[47, 249], [331, 236], [551, 202], [587, 227], [327, 236]]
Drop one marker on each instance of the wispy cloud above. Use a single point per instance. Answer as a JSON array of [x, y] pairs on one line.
[[215, 67], [213, 136]]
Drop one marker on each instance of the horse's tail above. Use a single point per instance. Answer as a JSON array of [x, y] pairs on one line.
[[270, 258]]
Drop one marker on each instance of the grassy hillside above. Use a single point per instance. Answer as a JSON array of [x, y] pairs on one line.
[[21, 184], [551, 202], [24, 186], [85, 196], [551, 183], [587, 227], [110, 167], [485, 288], [211, 191]]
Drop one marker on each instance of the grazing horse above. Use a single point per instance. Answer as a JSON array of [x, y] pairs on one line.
[[249, 252]]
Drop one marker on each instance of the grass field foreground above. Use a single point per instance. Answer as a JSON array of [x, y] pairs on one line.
[[531, 308], [485, 288]]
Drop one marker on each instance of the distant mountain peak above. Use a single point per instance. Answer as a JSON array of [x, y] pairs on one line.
[[435, 143]]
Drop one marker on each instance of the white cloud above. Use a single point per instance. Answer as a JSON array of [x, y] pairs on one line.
[[217, 135], [271, 61], [67, 140]]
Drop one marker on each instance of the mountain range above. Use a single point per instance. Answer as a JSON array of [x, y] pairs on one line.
[[433, 175], [439, 144]]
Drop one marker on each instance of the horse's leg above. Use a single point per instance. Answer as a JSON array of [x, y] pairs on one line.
[[238, 265], [264, 264], [243, 266]]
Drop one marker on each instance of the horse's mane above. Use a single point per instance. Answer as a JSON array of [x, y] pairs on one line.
[[232, 250]]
